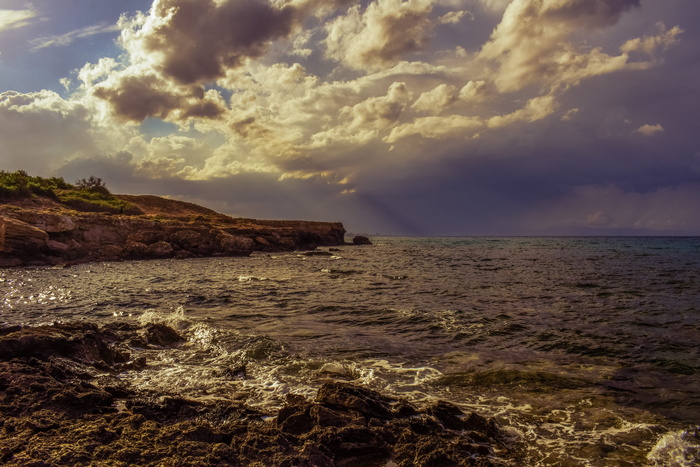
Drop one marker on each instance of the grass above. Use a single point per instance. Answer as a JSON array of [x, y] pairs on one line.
[[93, 201], [89, 195]]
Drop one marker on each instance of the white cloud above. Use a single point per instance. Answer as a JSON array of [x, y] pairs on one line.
[[69, 37], [535, 109], [380, 36], [652, 44], [532, 44], [649, 130], [436, 100], [496, 5], [437, 128], [11, 19], [40, 131]]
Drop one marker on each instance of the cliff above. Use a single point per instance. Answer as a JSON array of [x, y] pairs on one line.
[[42, 231]]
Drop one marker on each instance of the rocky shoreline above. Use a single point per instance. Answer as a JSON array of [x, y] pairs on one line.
[[39, 231], [63, 403]]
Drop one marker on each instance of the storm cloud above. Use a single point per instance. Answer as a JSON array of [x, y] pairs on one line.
[[418, 116]]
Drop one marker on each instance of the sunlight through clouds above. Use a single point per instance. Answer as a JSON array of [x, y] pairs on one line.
[[346, 95]]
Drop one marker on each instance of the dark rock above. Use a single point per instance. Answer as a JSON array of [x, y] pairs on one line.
[[486, 428], [62, 403], [350, 397], [448, 414], [404, 409], [356, 445], [295, 420], [360, 240], [162, 335]]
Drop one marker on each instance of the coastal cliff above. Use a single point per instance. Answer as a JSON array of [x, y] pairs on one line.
[[43, 231]]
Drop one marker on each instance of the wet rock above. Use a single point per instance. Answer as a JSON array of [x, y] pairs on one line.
[[295, 420], [356, 445], [404, 409], [360, 240], [351, 397], [162, 335], [62, 403], [84, 343], [448, 414]]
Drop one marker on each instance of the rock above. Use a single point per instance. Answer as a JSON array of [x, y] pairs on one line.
[[57, 246], [134, 249], [50, 222], [360, 240], [350, 397], [160, 249], [46, 232], [188, 239], [21, 239], [162, 335], [63, 402], [448, 414], [234, 244]]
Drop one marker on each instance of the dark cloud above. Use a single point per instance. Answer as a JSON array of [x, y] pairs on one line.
[[201, 39], [138, 97], [591, 13]]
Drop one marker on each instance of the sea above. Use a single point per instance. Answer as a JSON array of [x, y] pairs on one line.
[[586, 350]]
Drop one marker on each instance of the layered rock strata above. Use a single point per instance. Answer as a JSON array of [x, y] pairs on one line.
[[43, 232]]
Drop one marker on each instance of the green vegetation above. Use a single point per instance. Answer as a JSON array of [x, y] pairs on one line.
[[89, 194], [94, 201], [22, 185]]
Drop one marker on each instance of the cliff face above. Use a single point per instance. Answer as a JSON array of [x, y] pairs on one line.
[[41, 231]]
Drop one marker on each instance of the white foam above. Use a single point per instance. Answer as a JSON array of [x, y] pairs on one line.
[[251, 278], [677, 449]]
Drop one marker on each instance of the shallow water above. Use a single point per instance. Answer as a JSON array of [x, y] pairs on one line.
[[586, 348]]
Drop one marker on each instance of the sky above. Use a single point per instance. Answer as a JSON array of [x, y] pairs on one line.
[[413, 117]]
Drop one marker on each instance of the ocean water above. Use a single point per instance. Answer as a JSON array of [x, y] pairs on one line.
[[585, 349]]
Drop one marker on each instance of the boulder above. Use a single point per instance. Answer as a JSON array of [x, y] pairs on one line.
[[160, 250], [20, 238], [351, 397], [360, 240]]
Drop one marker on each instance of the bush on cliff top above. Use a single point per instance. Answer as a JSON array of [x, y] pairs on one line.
[[89, 194], [19, 184]]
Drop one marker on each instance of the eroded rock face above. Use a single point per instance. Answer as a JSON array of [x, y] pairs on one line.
[[20, 241], [62, 402], [30, 237]]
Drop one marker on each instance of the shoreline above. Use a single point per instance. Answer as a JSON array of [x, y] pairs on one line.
[[64, 403], [42, 232]]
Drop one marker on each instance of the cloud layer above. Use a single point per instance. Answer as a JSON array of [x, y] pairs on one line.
[[367, 103]]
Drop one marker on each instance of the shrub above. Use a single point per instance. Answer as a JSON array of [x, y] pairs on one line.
[[93, 184], [19, 184]]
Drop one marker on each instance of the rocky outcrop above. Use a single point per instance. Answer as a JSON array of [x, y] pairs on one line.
[[361, 240], [49, 234], [63, 402]]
